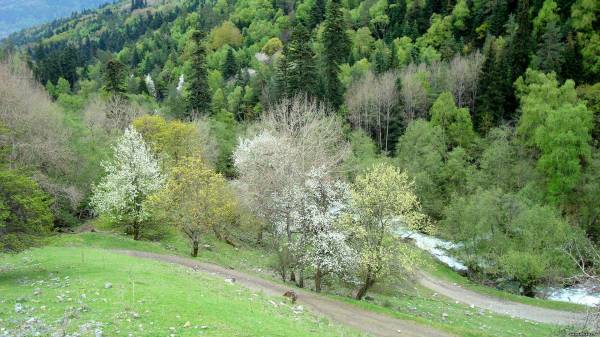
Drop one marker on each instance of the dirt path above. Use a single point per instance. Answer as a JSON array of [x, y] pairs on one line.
[[372, 323], [500, 306]]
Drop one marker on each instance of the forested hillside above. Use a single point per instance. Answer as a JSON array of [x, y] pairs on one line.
[[17, 15], [477, 121]]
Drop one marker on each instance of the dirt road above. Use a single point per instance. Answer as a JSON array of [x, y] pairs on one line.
[[372, 323], [500, 306]]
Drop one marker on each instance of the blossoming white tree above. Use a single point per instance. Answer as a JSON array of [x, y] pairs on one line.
[[321, 243], [132, 175], [150, 85], [274, 166]]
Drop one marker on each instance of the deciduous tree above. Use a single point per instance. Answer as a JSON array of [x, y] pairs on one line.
[[132, 175]]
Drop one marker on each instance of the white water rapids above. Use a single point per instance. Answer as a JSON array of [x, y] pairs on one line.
[[580, 294]]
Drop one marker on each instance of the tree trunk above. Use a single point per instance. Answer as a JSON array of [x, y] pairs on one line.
[[136, 231], [259, 237], [195, 245], [318, 280], [362, 291], [300, 282], [292, 276]]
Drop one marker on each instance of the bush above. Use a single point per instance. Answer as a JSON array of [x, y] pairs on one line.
[[24, 210]]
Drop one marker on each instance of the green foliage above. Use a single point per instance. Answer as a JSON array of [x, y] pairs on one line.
[[506, 234], [25, 210], [421, 152], [198, 94], [364, 154], [225, 34], [590, 94], [381, 198], [114, 77], [302, 74], [336, 45], [557, 124], [230, 67], [224, 127], [272, 46], [170, 140], [196, 200], [456, 122]]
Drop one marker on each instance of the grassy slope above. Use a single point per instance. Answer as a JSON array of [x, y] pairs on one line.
[[418, 304], [147, 298]]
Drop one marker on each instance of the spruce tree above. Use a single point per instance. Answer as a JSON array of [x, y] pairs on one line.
[[317, 13], [520, 45], [281, 76], [198, 90], [396, 11], [114, 77], [230, 66], [337, 47], [549, 56], [302, 74]]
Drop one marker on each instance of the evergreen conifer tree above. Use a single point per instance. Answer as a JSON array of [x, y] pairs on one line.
[[302, 74], [337, 47], [198, 90], [114, 77], [230, 65]]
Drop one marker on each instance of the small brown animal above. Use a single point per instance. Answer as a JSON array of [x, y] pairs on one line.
[[291, 295]]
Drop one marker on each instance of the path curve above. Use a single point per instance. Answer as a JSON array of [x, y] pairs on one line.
[[500, 306], [346, 314]]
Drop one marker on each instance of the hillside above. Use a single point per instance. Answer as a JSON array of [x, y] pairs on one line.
[[17, 15], [313, 142]]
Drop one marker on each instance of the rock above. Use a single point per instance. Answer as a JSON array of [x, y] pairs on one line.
[[19, 308], [444, 315], [399, 331], [472, 306], [107, 285], [37, 292], [298, 309], [187, 324], [135, 315], [230, 280]]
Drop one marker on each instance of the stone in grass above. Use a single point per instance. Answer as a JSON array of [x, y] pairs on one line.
[[187, 324], [298, 309], [19, 308], [444, 315], [107, 285]]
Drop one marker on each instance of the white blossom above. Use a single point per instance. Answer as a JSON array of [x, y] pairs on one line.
[[322, 243], [150, 85], [262, 57], [131, 176], [181, 83]]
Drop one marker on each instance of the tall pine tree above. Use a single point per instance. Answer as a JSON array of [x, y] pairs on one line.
[[198, 90], [114, 77], [337, 47], [302, 74], [230, 65], [317, 13]]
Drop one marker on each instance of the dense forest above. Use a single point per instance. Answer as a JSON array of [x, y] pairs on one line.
[[17, 15], [477, 121]]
